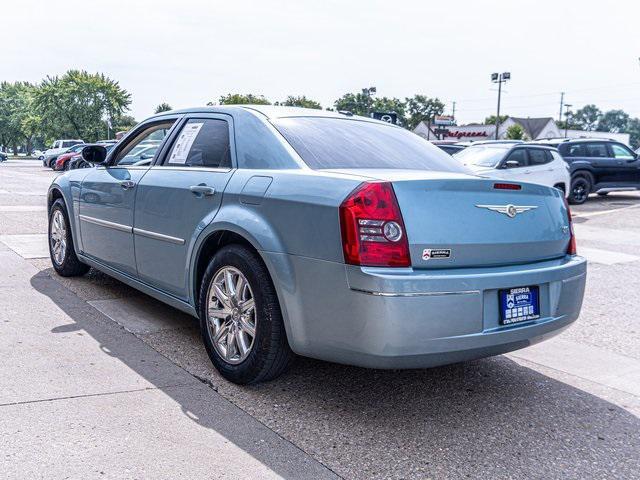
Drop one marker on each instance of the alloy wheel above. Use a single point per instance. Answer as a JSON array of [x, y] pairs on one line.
[[58, 237], [579, 191], [231, 315]]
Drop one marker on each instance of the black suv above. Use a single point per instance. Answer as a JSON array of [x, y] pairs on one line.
[[597, 166]]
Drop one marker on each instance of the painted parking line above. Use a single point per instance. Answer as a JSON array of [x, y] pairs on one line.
[[606, 257], [587, 362], [603, 212], [27, 246], [22, 208]]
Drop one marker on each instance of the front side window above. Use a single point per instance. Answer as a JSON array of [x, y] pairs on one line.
[[327, 143], [488, 156], [202, 143], [518, 157], [621, 152], [144, 145], [538, 157], [596, 150]]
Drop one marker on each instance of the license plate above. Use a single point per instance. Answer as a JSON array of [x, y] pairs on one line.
[[519, 304]]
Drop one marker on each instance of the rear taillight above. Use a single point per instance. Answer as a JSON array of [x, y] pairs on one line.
[[373, 233], [571, 249]]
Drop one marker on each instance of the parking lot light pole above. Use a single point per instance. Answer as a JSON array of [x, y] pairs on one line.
[[566, 118], [499, 78]]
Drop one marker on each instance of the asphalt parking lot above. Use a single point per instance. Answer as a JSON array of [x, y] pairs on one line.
[[99, 380]]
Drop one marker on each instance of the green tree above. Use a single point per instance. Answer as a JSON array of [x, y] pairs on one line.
[[80, 104], [123, 123], [633, 129], [395, 105], [19, 122], [239, 99], [515, 132], [491, 119], [301, 101], [163, 107], [585, 118], [420, 108], [614, 121], [356, 103]]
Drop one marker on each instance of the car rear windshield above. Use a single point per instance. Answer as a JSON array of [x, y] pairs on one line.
[[482, 155], [333, 143]]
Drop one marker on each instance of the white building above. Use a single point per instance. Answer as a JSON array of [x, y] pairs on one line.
[[534, 128]]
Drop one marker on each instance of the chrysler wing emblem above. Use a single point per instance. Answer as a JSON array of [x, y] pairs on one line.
[[509, 210]]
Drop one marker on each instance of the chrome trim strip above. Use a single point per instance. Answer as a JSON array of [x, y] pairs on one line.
[[415, 294], [158, 236], [105, 223]]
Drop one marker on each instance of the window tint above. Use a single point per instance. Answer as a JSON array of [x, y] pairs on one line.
[[144, 145], [69, 143], [345, 143], [621, 152], [519, 155], [482, 155], [576, 150], [202, 143], [538, 157], [596, 150]]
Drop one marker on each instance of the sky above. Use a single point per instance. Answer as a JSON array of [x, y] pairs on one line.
[[189, 52]]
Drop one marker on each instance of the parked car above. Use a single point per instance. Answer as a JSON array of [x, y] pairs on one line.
[[3, 156], [597, 166], [336, 237], [448, 146], [520, 162], [61, 162], [58, 147]]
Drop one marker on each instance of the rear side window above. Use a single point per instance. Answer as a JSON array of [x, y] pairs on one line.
[[575, 150], [326, 143], [202, 143], [596, 150], [538, 157]]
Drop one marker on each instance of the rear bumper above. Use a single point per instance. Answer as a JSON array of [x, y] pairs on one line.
[[401, 318]]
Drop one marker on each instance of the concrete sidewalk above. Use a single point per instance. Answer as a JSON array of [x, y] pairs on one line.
[[83, 398]]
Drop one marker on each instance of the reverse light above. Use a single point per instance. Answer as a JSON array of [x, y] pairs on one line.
[[373, 233], [571, 248]]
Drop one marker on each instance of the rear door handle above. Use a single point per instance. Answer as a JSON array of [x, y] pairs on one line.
[[127, 184], [202, 190]]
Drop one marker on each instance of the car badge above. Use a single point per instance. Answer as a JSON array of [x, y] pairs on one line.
[[509, 210]]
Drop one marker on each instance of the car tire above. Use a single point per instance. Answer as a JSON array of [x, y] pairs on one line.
[[580, 189], [268, 354], [61, 247]]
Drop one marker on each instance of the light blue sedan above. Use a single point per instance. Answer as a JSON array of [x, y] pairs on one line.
[[321, 234]]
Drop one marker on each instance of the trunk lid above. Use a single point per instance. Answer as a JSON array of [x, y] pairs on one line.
[[462, 219]]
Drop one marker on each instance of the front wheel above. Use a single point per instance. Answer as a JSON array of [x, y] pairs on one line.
[[61, 249], [240, 318]]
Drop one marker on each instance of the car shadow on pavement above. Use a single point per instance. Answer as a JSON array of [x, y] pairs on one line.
[[490, 417], [195, 396]]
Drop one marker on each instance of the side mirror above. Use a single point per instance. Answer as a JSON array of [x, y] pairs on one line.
[[94, 154], [511, 164]]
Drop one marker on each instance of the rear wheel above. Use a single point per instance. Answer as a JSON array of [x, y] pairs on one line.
[[240, 318], [580, 189], [61, 249]]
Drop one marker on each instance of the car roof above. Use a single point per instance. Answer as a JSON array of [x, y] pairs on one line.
[[274, 111]]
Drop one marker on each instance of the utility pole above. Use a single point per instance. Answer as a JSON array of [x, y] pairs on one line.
[[499, 78], [561, 104], [453, 111]]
